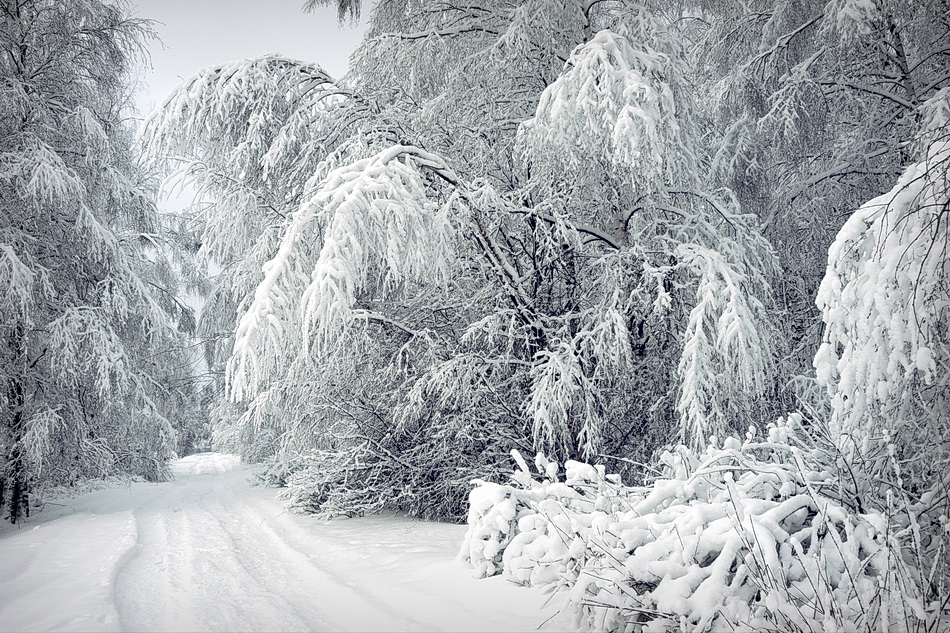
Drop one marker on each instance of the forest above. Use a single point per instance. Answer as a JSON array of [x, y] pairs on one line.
[[654, 294]]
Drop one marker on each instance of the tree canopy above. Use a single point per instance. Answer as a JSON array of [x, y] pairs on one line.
[[587, 228], [600, 230], [90, 346]]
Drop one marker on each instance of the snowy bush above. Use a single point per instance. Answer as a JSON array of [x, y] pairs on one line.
[[519, 529], [885, 301], [412, 468], [747, 534]]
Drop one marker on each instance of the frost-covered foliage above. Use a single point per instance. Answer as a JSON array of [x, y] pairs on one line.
[[428, 235], [246, 136], [368, 219], [622, 105], [885, 300], [421, 469], [459, 78], [748, 535], [553, 220], [92, 379], [814, 103], [615, 105]]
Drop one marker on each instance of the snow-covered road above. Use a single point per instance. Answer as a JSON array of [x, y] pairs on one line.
[[210, 552]]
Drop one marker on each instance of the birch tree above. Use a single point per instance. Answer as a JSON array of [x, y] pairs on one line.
[[429, 272], [90, 360]]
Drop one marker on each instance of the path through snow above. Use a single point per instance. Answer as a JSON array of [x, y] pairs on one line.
[[210, 552]]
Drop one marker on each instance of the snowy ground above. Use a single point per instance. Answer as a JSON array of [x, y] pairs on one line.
[[210, 552]]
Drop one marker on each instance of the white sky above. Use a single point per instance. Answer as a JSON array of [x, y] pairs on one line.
[[201, 33]]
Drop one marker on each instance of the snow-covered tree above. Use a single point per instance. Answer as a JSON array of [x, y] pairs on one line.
[[815, 103], [248, 136], [527, 257], [90, 359], [885, 302], [623, 106], [346, 9]]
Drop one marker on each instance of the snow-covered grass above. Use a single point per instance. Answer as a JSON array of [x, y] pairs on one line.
[[211, 552]]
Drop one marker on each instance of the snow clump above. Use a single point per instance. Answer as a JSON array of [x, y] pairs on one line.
[[741, 535]]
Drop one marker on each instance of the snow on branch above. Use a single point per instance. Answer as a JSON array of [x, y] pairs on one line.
[[614, 99], [39, 174], [573, 378], [727, 349], [885, 299], [16, 282], [557, 384], [369, 225], [36, 442], [224, 99], [82, 343], [376, 213], [251, 119]]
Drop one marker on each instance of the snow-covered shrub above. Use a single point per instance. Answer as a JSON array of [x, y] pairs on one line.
[[418, 469], [885, 301], [493, 519], [747, 534], [520, 530]]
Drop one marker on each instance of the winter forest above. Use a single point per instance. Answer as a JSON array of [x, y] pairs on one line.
[[653, 294]]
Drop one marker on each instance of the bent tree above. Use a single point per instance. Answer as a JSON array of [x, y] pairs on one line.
[[885, 357], [90, 360], [592, 228], [419, 284]]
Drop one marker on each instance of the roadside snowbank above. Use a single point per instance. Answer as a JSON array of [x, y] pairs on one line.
[[58, 576]]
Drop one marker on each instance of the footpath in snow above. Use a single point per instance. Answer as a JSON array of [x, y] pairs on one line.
[[211, 552]]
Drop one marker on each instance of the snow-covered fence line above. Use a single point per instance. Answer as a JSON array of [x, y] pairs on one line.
[[745, 534]]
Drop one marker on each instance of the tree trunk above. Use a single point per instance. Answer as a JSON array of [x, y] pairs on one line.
[[19, 504]]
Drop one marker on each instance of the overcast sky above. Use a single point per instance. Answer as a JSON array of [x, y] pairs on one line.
[[201, 33]]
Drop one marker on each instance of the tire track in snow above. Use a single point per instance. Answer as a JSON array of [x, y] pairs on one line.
[[309, 580], [206, 560], [152, 587], [209, 552], [57, 575]]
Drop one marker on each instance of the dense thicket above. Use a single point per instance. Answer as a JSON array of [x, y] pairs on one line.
[[587, 227], [93, 381]]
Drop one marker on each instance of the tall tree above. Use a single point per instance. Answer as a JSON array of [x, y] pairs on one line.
[[90, 360], [456, 261], [249, 135], [816, 104]]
